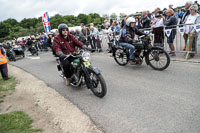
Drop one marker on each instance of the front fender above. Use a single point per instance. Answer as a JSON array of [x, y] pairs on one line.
[[94, 69]]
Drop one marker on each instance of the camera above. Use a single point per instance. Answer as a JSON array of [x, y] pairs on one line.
[[159, 14]]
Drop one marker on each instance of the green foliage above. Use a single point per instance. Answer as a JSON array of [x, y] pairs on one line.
[[105, 16], [121, 16], [16, 122], [11, 28], [113, 16]]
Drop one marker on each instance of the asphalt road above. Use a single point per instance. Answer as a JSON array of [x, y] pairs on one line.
[[139, 99]]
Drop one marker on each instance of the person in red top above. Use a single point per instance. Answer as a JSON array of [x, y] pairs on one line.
[[64, 43]]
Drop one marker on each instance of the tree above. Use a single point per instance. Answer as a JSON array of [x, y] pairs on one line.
[[11, 22], [113, 16], [4, 29], [121, 16], [31, 26], [105, 16], [97, 21], [27, 23], [82, 18]]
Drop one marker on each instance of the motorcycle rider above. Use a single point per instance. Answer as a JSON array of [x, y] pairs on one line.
[[127, 37], [64, 43]]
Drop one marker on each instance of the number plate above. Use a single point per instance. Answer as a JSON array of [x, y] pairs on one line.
[[87, 63]]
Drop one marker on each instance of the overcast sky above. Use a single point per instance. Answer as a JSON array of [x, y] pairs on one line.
[[19, 9]]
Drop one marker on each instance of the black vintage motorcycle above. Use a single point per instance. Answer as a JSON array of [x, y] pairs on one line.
[[84, 73], [154, 56], [33, 49]]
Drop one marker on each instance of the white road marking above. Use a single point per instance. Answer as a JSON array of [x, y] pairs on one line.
[[33, 58]]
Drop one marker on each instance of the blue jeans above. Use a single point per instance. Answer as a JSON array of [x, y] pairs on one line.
[[130, 47]]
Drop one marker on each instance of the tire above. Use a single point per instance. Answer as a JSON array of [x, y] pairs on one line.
[[156, 57], [120, 56], [94, 83]]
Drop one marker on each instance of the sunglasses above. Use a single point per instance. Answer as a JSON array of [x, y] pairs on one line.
[[64, 30]]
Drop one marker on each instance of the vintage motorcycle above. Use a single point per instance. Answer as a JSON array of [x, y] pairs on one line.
[[33, 49], [12, 52], [84, 73], [154, 56]]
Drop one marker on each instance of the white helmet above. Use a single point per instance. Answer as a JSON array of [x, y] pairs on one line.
[[130, 20]]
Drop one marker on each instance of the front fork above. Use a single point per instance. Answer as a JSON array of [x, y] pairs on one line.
[[87, 71]]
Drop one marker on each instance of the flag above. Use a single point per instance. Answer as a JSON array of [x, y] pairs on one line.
[[197, 27], [168, 32], [182, 30], [46, 22], [146, 31]]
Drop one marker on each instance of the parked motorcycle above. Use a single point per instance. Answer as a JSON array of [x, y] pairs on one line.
[[154, 56], [84, 73], [13, 52]]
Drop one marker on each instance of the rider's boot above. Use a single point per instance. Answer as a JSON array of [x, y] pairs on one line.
[[68, 81]]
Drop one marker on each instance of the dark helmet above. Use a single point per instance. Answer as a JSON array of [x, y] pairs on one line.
[[61, 27]]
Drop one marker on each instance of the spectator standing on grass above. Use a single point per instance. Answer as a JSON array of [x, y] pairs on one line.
[[3, 63]]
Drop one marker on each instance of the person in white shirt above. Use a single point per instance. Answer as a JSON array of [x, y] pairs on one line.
[[158, 27], [191, 40]]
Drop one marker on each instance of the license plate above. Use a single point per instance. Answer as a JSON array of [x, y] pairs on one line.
[[87, 63]]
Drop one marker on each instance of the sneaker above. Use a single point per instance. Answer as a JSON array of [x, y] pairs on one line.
[[172, 55], [68, 81]]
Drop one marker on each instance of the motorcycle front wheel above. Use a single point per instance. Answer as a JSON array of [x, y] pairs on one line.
[[158, 58], [97, 84], [120, 56]]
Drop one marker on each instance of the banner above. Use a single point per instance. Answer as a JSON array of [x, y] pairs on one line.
[[168, 32], [197, 27], [46, 22], [182, 30]]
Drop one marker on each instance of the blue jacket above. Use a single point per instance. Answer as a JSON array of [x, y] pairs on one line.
[[117, 29]]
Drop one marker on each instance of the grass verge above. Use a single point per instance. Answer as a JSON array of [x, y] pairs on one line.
[[6, 86], [17, 121]]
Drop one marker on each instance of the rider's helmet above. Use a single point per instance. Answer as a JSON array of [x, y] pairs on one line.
[[130, 20], [61, 27]]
